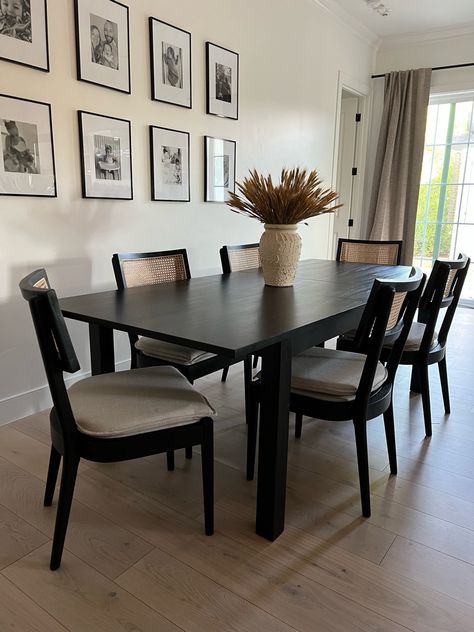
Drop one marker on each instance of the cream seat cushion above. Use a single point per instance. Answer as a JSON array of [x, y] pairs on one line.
[[331, 374], [171, 352], [415, 337], [137, 401]]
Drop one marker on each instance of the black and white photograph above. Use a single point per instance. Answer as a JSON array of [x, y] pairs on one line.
[[27, 158], [169, 165], [222, 66], [103, 44], [24, 33], [170, 52], [106, 160], [219, 159]]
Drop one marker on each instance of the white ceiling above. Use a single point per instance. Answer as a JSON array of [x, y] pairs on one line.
[[408, 16]]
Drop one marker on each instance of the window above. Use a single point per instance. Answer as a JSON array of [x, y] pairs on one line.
[[445, 216]]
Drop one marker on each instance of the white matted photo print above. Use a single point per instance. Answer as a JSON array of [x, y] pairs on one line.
[[106, 156], [222, 68], [169, 165], [27, 152], [103, 43], [170, 52], [24, 33], [219, 160]]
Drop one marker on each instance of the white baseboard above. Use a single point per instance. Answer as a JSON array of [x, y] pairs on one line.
[[38, 399]]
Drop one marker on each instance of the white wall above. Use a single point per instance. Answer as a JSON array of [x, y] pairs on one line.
[[291, 52], [419, 51]]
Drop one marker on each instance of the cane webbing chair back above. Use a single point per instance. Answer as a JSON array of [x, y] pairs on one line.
[[150, 268], [443, 290], [385, 253], [238, 258]]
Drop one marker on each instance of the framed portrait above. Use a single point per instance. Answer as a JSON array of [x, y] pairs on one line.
[[27, 157], [219, 160], [169, 150], [106, 156], [170, 53], [222, 69], [103, 43], [24, 33]]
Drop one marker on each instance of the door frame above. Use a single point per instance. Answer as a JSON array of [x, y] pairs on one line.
[[361, 90]]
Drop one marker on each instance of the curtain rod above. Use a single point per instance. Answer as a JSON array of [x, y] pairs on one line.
[[437, 68]]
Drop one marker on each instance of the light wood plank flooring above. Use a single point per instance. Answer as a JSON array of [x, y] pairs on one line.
[[136, 557]]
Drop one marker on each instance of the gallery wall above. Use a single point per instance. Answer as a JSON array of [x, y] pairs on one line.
[[291, 54]]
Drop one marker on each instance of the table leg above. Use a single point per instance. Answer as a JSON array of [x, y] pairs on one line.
[[101, 341], [273, 442]]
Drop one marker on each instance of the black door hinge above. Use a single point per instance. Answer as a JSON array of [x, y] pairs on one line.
[[350, 223], [358, 117], [354, 171]]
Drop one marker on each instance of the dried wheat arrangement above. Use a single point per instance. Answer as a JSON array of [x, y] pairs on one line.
[[297, 197]]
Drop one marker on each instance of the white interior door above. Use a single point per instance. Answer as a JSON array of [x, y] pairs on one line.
[[346, 164]]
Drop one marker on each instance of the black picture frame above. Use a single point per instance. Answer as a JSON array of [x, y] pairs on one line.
[[100, 71], [164, 193], [24, 179], [222, 95], [217, 169], [108, 186], [161, 89], [27, 53]]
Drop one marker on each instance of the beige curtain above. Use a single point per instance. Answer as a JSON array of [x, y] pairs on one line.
[[392, 212]]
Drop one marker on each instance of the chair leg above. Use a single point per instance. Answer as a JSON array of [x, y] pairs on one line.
[[360, 429], [189, 451], [53, 468], [255, 362], [207, 460], [390, 438], [298, 425], [170, 460], [415, 383], [225, 372], [443, 376], [425, 398], [66, 491]]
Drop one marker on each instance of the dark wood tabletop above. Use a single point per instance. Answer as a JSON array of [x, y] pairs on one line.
[[236, 315]]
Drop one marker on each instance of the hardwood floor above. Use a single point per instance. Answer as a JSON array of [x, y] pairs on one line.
[[137, 559]]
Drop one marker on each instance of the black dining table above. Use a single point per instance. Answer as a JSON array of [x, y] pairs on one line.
[[236, 315]]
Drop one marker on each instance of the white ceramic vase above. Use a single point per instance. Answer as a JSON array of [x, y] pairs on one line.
[[280, 249]]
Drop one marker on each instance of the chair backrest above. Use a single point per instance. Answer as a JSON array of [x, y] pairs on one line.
[[54, 341], [237, 258], [443, 290], [385, 253], [387, 316], [134, 269]]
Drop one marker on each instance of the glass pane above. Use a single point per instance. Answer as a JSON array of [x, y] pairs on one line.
[[426, 168], [469, 174], [446, 241], [419, 241], [457, 163], [428, 246], [449, 197], [438, 162], [422, 202], [442, 125], [462, 122], [466, 211], [431, 124]]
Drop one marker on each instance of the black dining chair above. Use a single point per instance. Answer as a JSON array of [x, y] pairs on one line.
[[237, 259], [386, 253], [425, 345], [113, 416], [151, 268], [338, 385]]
